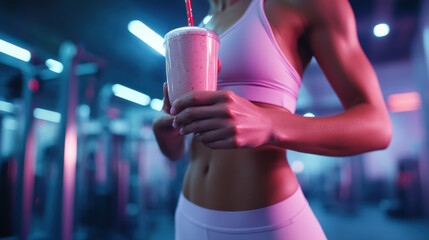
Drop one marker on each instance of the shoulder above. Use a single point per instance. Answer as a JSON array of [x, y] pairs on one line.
[[321, 12], [336, 15]]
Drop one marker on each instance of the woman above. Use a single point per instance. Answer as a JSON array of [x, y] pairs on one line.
[[239, 184]]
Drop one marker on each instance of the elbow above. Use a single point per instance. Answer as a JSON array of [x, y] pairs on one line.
[[383, 134], [175, 158], [173, 155]]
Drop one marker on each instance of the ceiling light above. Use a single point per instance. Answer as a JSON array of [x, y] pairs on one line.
[[297, 166], [130, 94], [14, 51], [147, 35], [6, 107], [207, 19], [156, 104], [404, 102], [381, 30], [47, 115], [54, 65]]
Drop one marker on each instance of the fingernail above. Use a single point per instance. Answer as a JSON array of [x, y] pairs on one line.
[[173, 111], [181, 131], [175, 124]]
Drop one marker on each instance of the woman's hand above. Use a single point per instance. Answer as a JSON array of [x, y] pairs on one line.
[[221, 119], [171, 143], [164, 120]]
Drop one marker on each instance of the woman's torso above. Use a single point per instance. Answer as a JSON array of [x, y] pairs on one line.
[[243, 179]]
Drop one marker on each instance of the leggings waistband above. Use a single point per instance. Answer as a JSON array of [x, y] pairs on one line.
[[267, 218]]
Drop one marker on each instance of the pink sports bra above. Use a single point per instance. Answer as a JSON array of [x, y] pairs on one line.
[[253, 65]]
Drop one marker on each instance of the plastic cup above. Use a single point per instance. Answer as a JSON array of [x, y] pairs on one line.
[[191, 57]]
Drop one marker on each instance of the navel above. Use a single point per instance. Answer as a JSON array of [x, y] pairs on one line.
[[206, 170]]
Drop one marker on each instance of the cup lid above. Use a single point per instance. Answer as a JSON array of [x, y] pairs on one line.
[[193, 30]]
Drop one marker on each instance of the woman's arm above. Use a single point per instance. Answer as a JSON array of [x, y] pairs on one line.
[[170, 141], [365, 124], [225, 120]]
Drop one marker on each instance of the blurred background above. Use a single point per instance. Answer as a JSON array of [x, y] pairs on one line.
[[79, 90]]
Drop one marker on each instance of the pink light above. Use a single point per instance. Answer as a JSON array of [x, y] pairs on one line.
[[404, 102], [113, 113], [28, 187], [100, 164], [70, 153], [33, 85]]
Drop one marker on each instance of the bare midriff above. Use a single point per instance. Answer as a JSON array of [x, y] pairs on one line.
[[245, 179], [238, 179]]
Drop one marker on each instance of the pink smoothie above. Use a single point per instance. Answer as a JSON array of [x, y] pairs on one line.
[[191, 57]]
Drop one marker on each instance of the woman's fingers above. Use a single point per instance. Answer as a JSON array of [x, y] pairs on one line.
[[199, 98], [224, 134], [202, 126], [167, 105], [164, 121], [192, 114], [223, 144]]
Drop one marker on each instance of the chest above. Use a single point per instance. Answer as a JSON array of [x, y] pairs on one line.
[[286, 20]]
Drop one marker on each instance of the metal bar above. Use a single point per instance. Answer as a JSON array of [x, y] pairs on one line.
[[68, 142], [26, 157], [421, 64]]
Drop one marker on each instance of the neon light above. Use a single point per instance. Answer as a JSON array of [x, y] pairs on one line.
[[10, 124], [47, 115], [156, 104], [381, 30], [84, 111], [6, 107], [147, 35], [33, 85], [426, 45], [130, 94], [404, 102], [69, 178], [207, 19], [15, 51], [297, 166], [54, 65], [309, 114]]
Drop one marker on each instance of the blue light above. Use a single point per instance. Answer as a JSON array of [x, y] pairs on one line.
[[10, 124], [207, 19], [47, 115], [156, 104], [54, 65], [130, 94], [381, 30], [15, 51], [426, 44], [147, 35], [6, 107], [297, 166]]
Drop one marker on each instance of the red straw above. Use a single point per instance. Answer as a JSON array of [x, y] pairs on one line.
[[189, 11]]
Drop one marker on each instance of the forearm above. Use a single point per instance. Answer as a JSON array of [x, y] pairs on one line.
[[361, 128], [170, 141]]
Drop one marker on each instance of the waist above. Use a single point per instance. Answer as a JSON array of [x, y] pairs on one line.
[[238, 179], [274, 216]]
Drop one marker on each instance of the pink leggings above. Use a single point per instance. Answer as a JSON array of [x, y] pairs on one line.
[[291, 219]]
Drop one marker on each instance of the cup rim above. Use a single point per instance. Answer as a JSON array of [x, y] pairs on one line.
[[194, 30]]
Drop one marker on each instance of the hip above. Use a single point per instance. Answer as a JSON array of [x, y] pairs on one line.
[[291, 218]]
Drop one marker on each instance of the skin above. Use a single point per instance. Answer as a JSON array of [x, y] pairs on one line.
[[238, 160]]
